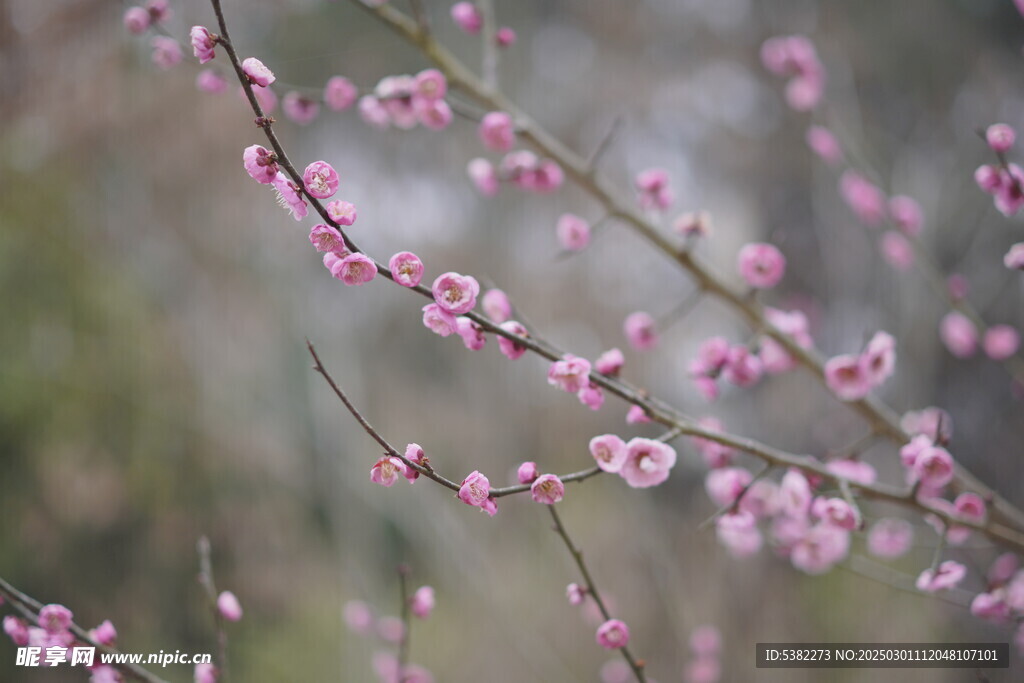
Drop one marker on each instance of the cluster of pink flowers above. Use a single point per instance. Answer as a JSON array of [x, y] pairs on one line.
[[641, 462], [706, 646], [166, 51], [520, 168], [53, 634], [1003, 600], [716, 358], [572, 374], [795, 58], [360, 619], [407, 101], [960, 336], [851, 378], [927, 465], [1003, 180], [389, 468]]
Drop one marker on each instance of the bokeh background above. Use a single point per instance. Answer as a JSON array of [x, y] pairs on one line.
[[155, 386]]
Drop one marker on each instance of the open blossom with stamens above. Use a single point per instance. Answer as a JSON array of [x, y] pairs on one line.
[[339, 93], [289, 197], [573, 232], [203, 43], [472, 334], [387, 470], [761, 265], [455, 293], [257, 72], [321, 179], [467, 17], [327, 239], [496, 305], [609, 452], [847, 377], [439, 321], [475, 491], [527, 473], [407, 268], [422, 602], [647, 463], [166, 52], [260, 163], [570, 374], [497, 131], [355, 269], [613, 634], [958, 334], [947, 575], [655, 191], [341, 212], [863, 197], [547, 489], [299, 108], [511, 348], [640, 331]]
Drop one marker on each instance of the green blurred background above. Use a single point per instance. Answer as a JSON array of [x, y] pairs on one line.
[[154, 383]]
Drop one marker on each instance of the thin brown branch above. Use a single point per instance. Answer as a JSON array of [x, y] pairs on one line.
[[209, 585]]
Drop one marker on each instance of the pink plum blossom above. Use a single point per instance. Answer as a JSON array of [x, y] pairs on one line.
[[547, 489], [55, 618], [289, 197], [934, 423], [795, 493], [879, 358], [655, 191], [484, 176], [837, 512], [761, 265], [358, 616], [475, 491], [820, 549], [933, 467], [471, 333], [737, 531], [610, 362], [166, 52], [509, 347], [640, 331], [373, 112], [355, 269], [205, 673], [592, 396], [724, 485], [439, 321], [896, 250], [890, 537], [613, 634], [321, 179], [906, 214], [988, 178], [104, 634], [948, 575], [1014, 258], [496, 305], [432, 114], [422, 602], [339, 93], [863, 197], [847, 377], [299, 108], [228, 606], [692, 224], [959, 334], [761, 499], [414, 454], [609, 452], [257, 72], [991, 606], [497, 131], [505, 37], [211, 82], [1009, 196], [467, 17], [575, 593], [203, 43], [824, 144], [341, 212], [16, 629], [1001, 342], [406, 268], [573, 232], [1002, 569], [327, 239], [1000, 137], [637, 415], [742, 368], [454, 293], [570, 374], [527, 473], [430, 84], [387, 470], [647, 463], [260, 163], [136, 20]]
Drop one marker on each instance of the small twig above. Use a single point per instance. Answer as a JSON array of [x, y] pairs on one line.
[[604, 144], [682, 309], [856, 447], [577, 556], [735, 504], [844, 487], [207, 582], [419, 13], [489, 34]]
